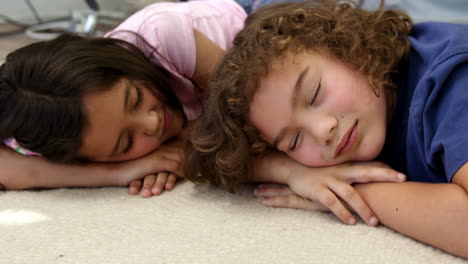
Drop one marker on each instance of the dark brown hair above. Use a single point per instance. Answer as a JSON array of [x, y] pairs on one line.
[[223, 144], [42, 86]]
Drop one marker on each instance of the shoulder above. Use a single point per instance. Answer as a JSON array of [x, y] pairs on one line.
[[434, 42], [435, 94], [168, 29], [438, 60], [173, 15], [439, 112]]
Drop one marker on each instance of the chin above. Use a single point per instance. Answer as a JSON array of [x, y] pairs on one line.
[[371, 151]]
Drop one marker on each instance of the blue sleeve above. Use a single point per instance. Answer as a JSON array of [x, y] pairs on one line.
[[448, 120]]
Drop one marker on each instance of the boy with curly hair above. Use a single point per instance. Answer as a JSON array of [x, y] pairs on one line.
[[333, 87]]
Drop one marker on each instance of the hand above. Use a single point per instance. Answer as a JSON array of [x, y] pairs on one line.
[[166, 158], [280, 195], [153, 184], [322, 188]]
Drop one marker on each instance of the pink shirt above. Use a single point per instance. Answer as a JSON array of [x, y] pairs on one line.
[[168, 28]]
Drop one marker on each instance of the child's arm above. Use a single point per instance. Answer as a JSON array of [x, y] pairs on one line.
[[436, 214], [25, 172], [326, 186]]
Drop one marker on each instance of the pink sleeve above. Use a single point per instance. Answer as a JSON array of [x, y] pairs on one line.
[[172, 30], [174, 42]]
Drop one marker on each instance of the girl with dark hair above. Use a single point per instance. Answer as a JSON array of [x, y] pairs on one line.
[[111, 111], [332, 87]]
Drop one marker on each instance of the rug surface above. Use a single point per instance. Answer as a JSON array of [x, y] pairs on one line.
[[191, 224]]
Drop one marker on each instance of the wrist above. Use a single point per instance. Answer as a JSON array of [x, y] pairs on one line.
[[275, 167], [112, 173]]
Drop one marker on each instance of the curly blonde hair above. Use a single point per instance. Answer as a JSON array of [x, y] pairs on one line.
[[223, 144]]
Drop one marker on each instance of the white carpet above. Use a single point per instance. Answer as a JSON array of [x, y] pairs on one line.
[[191, 224]]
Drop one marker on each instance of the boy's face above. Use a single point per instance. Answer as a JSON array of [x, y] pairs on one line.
[[125, 122], [319, 111]]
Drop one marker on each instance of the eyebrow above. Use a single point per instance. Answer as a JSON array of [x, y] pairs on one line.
[[294, 99], [117, 143]]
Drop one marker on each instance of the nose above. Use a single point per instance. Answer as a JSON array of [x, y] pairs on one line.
[[149, 123], [321, 127]]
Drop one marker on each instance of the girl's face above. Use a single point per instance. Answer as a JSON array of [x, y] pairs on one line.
[[319, 111], [125, 122]]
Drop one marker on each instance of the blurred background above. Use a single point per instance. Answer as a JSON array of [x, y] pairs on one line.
[[19, 9], [26, 21]]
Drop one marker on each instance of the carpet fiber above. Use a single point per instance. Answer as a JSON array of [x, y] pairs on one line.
[[191, 224]]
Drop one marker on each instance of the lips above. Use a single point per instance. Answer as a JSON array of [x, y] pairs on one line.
[[347, 141]]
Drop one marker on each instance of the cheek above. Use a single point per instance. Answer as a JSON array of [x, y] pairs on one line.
[[344, 103], [372, 144], [309, 155], [343, 95]]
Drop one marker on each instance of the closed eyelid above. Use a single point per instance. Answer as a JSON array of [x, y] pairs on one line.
[[138, 97], [295, 141], [315, 92], [129, 145]]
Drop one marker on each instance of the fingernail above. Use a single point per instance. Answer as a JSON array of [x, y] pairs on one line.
[[373, 221], [266, 202], [401, 176], [146, 193], [351, 221], [156, 190]]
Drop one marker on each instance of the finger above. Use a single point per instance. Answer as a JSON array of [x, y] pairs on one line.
[[171, 180], [147, 185], [134, 187], [160, 182], [352, 198], [331, 201], [362, 174], [272, 190], [290, 201]]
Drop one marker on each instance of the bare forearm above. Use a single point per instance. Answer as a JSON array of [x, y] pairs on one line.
[[25, 172], [273, 167], [436, 214], [54, 175]]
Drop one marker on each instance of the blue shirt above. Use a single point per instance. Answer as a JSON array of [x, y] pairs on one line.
[[428, 135]]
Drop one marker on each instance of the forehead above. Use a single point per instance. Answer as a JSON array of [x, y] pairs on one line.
[[104, 111], [270, 108]]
